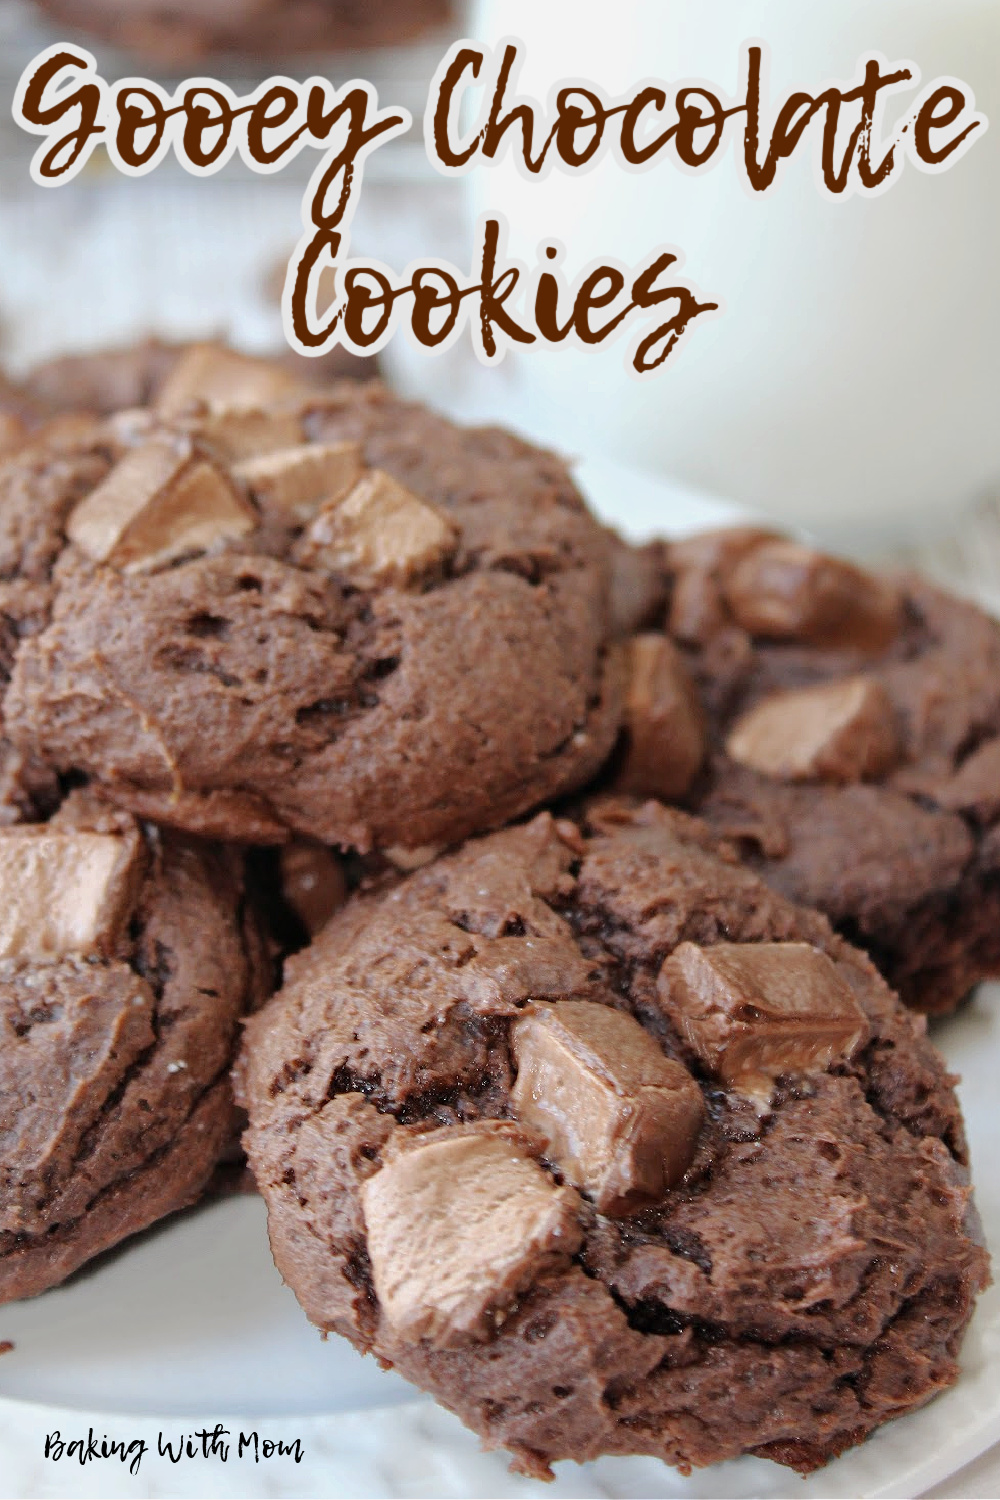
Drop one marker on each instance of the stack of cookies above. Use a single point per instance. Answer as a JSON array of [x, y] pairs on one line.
[[530, 900]]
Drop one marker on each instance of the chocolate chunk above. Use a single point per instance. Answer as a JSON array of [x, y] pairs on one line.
[[65, 893], [132, 427], [458, 1224], [98, 523], [380, 533], [222, 377], [701, 564], [620, 1118], [753, 1011], [297, 482], [236, 434], [200, 510], [312, 882], [786, 591], [839, 731], [664, 724], [156, 505]]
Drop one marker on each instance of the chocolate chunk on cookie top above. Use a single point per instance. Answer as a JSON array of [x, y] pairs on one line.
[[848, 721], [620, 1119], [593, 1135], [459, 1222], [159, 503], [784, 591], [752, 1012], [664, 732], [838, 732], [378, 533], [126, 960], [65, 892], [331, 614], [222, 378]]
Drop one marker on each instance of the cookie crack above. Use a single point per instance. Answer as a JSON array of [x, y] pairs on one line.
[[63, 1229]]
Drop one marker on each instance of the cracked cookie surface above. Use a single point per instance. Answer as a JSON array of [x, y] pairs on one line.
[[610, 1147]]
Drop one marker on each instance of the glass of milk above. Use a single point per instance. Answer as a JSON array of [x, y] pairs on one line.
[[853, 380]]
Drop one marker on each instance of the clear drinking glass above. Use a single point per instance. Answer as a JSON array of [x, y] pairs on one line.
[[852, 382]]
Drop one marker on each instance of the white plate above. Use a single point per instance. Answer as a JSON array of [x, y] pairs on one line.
[[190, 1325]]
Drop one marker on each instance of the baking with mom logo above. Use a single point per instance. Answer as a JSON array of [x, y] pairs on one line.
[[475, 115], [218, 1443]]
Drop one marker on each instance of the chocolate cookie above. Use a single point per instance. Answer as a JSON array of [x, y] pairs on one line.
[[179, 32], [850, 730], [126, 961], [332, 612], [592, 1134]]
